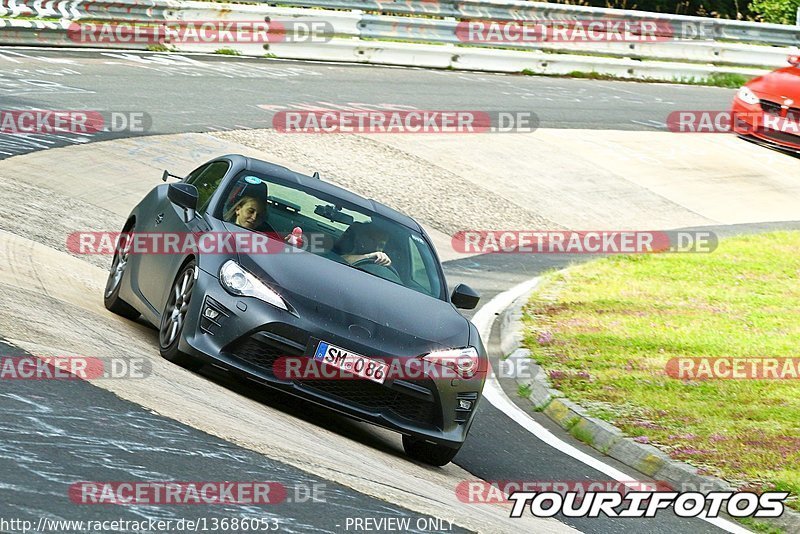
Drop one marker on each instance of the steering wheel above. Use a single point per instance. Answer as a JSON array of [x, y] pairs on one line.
[[364, 261]]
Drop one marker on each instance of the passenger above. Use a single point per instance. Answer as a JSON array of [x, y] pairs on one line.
[[248, 212]]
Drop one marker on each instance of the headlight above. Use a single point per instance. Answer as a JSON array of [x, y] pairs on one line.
[[239, 282], [465, 361], [747, 96]]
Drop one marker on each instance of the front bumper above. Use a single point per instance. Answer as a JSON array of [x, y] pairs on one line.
[[249, 336], [753, 124]]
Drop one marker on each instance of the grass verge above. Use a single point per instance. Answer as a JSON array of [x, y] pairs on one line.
[[227, 52], [716, 79], [720, 79], [605, 330]]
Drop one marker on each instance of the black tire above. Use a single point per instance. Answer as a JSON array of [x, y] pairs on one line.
[[169, 333], [429, 453], [119, 264]]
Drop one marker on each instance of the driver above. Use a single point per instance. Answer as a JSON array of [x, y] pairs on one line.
[[363, 241]]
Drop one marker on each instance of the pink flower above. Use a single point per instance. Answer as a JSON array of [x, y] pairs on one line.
[[557, 375], [545, 338]]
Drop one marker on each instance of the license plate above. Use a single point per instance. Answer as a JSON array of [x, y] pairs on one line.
[[351, 362]]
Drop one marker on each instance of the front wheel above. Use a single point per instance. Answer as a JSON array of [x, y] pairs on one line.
[[118, 267], [429, 453], [174, 316]]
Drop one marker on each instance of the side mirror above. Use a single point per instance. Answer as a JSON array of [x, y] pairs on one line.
[[794, 60], [185, 196], [464, 297]]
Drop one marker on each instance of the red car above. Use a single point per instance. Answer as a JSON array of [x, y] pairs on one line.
[[766, 110]]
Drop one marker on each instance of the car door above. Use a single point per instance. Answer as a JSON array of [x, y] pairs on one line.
[[159, 270]]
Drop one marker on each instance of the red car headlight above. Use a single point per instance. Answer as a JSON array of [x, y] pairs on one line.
[[747, 96]]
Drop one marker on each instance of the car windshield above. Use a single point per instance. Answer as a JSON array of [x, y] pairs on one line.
[[334, 229]]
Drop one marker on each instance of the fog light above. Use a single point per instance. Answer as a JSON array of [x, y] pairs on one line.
[[466, 402], [213, 316]]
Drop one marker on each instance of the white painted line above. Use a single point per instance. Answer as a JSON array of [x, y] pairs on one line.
[[483, 320]]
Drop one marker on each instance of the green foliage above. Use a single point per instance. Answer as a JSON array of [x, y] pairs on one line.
[[727, 79], [777, 11], [718, 79], [728, 9], [615, 324]]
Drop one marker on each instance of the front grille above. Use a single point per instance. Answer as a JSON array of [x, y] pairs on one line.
[[262, 355], [793, 114], [363, 394], [773, 108], [375, 397], [781, 137]]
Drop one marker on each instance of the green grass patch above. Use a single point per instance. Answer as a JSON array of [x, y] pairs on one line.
[[524, 390], [158, 48], [227, 52], [719, 79], [592, 75], [605, 330], [759, 526], [581, 434]]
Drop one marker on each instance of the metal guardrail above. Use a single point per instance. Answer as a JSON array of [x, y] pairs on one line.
[[443, 31], [48, 33], [409, 29], [684, 26], [370, 35], [88, 9]]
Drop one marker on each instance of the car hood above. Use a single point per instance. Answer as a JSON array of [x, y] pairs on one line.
[[346, 304], [778, 85]]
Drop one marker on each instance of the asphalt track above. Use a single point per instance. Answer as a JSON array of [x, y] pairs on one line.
[[55, 433], [236, 93], [92, 435]]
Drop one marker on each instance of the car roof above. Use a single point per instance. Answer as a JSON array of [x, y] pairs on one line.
[[282, 173]]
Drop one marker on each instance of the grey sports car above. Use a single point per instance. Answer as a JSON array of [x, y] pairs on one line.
[[286, 269]]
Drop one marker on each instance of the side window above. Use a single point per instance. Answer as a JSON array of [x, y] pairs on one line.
[[418, 271], [206, 179], [195, 173]]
